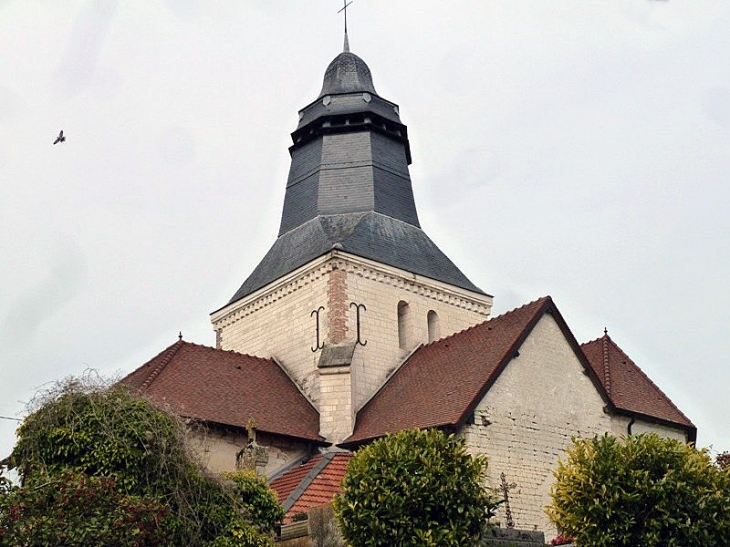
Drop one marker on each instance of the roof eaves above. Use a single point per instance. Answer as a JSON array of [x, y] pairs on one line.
[[690, 429], [318, 440]]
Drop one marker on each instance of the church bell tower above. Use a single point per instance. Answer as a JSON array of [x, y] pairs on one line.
[[352, 284]]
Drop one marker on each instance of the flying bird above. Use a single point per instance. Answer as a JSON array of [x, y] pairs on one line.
[[60, 138]]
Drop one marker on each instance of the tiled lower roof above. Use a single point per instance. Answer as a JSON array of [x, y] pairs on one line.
[[311, 484], [630, 389], [227, 388], [442, 382]]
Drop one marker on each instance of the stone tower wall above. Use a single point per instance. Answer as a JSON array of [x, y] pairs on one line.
[[381, 289], [277, 322]]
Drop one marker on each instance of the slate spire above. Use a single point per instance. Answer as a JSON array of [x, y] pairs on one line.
[[349, 187]]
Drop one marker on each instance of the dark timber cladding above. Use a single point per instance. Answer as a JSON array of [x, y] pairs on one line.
[[349, 186]]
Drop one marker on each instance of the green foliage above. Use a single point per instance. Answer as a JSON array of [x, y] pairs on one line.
[[261, 504], [75, 509], [414, 488], [118, 446], [642, 491], [103, 432]]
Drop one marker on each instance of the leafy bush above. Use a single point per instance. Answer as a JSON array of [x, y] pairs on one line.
[[259, 501], [95, 433], [414, 488], [75, 509], [645, 490]]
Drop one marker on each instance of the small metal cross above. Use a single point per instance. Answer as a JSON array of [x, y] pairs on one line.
[[505, 488], [344, 8]]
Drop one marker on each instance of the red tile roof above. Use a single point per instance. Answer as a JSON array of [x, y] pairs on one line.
[[441, 383], [311, 484], [629, 388], [227, 388]]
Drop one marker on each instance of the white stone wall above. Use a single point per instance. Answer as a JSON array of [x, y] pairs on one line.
[[526, 421], [336, 414], [217, 449], [380, 288], [276, 322], [620, 425]]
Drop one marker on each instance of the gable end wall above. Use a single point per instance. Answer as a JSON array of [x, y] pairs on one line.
[[526, 420]]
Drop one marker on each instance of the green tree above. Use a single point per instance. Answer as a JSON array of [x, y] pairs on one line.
[[643, 491], [128, 465], [414, 488]]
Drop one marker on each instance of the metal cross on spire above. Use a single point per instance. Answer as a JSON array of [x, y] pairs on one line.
[[344, 9]]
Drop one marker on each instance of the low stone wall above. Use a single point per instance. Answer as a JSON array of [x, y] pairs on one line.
[[509, 537], [320, 531]]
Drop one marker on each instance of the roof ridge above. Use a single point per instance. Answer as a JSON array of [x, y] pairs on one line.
[[528, 304], [307, 480], [204, 346], [606, 365], [166, 358], [489, 320]]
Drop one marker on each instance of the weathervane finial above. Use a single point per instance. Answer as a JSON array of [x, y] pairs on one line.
[[345, 3]]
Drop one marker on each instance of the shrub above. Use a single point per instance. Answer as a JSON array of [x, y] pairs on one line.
[[259, 501], [75, 509], [119, 449], [414, 488], [645, 490]]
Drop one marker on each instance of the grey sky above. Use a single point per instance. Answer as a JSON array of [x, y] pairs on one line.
[[577, 148]]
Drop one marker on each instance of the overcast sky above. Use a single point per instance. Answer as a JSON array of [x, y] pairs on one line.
[[576, 148]]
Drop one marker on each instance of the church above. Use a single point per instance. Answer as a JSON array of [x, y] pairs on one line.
[[355, 324]]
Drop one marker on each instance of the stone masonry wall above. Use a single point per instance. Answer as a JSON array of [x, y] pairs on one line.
[[277, 321], [526, 421], [336, 415], [218, 449], [380, 288], [620, 425]]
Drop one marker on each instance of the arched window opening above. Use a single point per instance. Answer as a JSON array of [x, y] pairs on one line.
[[403, 324], [434, 327]]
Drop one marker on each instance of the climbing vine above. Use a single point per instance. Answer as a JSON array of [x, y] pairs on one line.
[[127, 464]]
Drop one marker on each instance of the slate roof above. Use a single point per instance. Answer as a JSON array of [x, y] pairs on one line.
[[311, 484], [228, 388], [349, 186], [347, 73], [368, 235], [630, 389], [442, 382]]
